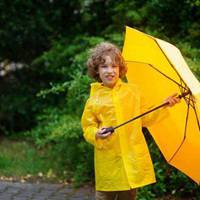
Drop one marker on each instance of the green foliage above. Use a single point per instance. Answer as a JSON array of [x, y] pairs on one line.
[[59, 129], [17, 94], [20, 89], [27, 27], [44, 83], [32, 27], [192, 57], [145, 193], [78, 91], [65, 59], [26, 161], [62, 135]]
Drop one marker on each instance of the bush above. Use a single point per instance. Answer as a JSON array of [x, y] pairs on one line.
[[61, 134]]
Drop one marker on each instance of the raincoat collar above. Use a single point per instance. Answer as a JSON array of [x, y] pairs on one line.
[[100, 85]]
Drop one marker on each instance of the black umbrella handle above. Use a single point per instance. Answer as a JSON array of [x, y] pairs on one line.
[[107, 130]]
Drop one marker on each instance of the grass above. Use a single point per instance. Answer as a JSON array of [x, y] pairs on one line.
[[21, 160]]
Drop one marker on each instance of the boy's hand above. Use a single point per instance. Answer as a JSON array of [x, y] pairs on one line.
[[172, 100], [99, 134]]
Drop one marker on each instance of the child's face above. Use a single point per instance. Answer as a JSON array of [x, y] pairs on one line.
[[108, 72]]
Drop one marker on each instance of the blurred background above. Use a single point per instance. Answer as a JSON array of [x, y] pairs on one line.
[[43, 83]]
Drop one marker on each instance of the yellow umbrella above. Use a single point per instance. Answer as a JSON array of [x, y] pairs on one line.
[[160, 70]]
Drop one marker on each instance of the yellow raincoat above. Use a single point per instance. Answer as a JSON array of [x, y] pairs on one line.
[[122, 160]]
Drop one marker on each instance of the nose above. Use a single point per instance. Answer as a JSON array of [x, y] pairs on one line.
[[110, 69]]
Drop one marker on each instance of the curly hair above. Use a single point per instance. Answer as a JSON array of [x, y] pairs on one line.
[[97, 57]]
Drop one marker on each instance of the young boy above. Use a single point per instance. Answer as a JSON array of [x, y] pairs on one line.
[[122, 160]]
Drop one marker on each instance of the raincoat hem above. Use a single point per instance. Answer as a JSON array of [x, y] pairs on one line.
[[126, 188]]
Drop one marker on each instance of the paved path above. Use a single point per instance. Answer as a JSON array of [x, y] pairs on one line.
[[34, 191]]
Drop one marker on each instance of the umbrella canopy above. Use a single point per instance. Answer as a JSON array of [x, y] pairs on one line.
[[159, 69]]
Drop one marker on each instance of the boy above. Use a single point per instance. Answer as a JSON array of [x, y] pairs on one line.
[[122, 160]]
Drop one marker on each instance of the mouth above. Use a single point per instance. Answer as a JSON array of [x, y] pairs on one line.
[[110, 77]]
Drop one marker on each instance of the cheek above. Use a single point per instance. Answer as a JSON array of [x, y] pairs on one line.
[[117, 71], [101, 73]]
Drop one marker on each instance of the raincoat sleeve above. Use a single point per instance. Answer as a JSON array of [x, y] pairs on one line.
[[153, 117], [90, 125]]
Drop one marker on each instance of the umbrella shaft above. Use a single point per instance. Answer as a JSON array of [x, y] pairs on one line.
[[149, 111]]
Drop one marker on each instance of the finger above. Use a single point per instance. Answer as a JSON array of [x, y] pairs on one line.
[[174, 94], [171, 102], [176, 99], [103, 131], [105, 135]]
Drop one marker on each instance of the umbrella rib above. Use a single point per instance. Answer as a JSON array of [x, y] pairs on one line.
[[183, 140], [188, 102], [195, 111], [181, 82], [160, 73], [169, 61]]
